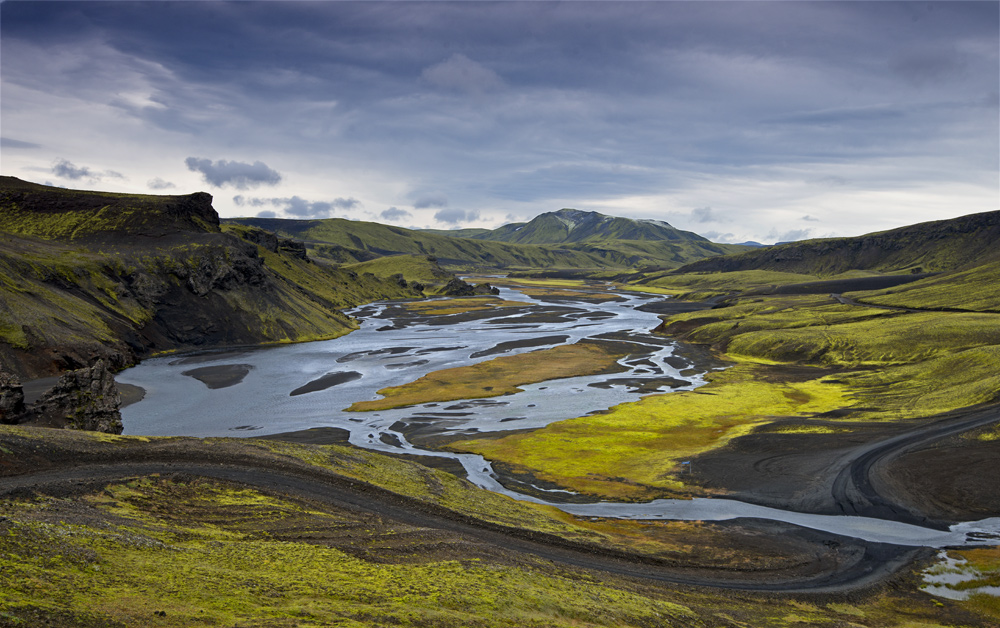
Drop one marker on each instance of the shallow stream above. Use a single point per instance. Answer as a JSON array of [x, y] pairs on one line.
[[271, 390]]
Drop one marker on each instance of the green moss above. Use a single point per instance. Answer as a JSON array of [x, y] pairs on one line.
[[636, 450], [499, 376]]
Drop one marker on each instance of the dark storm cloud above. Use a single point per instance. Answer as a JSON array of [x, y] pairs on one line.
[[298, 206], [456, 216], [395, 213], [488, 104], [237, 173]]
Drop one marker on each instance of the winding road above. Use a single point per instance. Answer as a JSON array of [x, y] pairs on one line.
[[858, 565]]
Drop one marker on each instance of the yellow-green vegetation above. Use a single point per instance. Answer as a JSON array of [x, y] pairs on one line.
[[188, 551], [459, 305], [972, 573], [110, 296], [419, 268], [875, 363], [635, 450], [697, 286], [358, 241], [182, 554], [976, 289], [898, 364], [499, 376]]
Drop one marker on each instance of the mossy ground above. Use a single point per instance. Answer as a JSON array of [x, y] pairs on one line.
[[875, 364], [499, 376], [188, 551], [460, 305], [637, 450]]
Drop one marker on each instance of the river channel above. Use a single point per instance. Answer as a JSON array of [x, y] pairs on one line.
[[277, 389]]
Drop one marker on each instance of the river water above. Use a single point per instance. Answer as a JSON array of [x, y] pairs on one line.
[[260, 391]]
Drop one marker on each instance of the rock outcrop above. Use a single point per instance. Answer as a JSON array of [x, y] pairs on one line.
[[458, 288], [84, 399], [11, 399]]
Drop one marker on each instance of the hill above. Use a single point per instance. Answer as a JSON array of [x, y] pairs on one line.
[[572, 225], [351, 241], [88, 275], [567, 239], [925, 247], [640, 242]]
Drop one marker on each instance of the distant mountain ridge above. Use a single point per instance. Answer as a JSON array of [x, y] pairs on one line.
[[573, 225], [940, 245], [568, 238]]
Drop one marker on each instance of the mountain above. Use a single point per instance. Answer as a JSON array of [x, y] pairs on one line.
[[88, 275], [351, 241], [936, 246], [566, 239], [640, 242], [572, 225]]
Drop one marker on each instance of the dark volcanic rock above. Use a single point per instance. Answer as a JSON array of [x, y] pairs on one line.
[[458, 288], [11, 399], [485, 288], [292, 247], [84, 399]]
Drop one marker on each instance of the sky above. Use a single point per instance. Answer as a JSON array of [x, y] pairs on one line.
[[740, 121]]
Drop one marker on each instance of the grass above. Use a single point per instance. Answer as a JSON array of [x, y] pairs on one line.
[[975, 289], [459, 305], [200, 553], [418, 268], [496, 377], [878, 364], [183, 551], [635, 451]]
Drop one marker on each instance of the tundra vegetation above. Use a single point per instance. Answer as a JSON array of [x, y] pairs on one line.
[[184, 550], [86, 275]]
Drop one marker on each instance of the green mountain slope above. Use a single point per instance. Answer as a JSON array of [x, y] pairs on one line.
[[572, 225], [86, 275], [356, 241], [926, 247], [618, 241], [567, 239]]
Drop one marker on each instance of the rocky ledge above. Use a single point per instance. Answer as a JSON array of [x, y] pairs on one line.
[[83, 399]]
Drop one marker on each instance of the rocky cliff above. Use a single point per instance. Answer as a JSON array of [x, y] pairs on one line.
[[88, 277]]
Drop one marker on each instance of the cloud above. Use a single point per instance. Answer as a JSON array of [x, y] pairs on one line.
[[810, 219], [159, 184], [298, 206], [430, 200], [241, 175], [839, 116], [460, 73], [716, 236], [791, 235], [455, 216], [69, 170], [702, 214], [395, 213], [267, 213], [7, 142]]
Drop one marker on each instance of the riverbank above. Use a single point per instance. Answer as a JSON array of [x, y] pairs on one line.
[[98, 505]]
